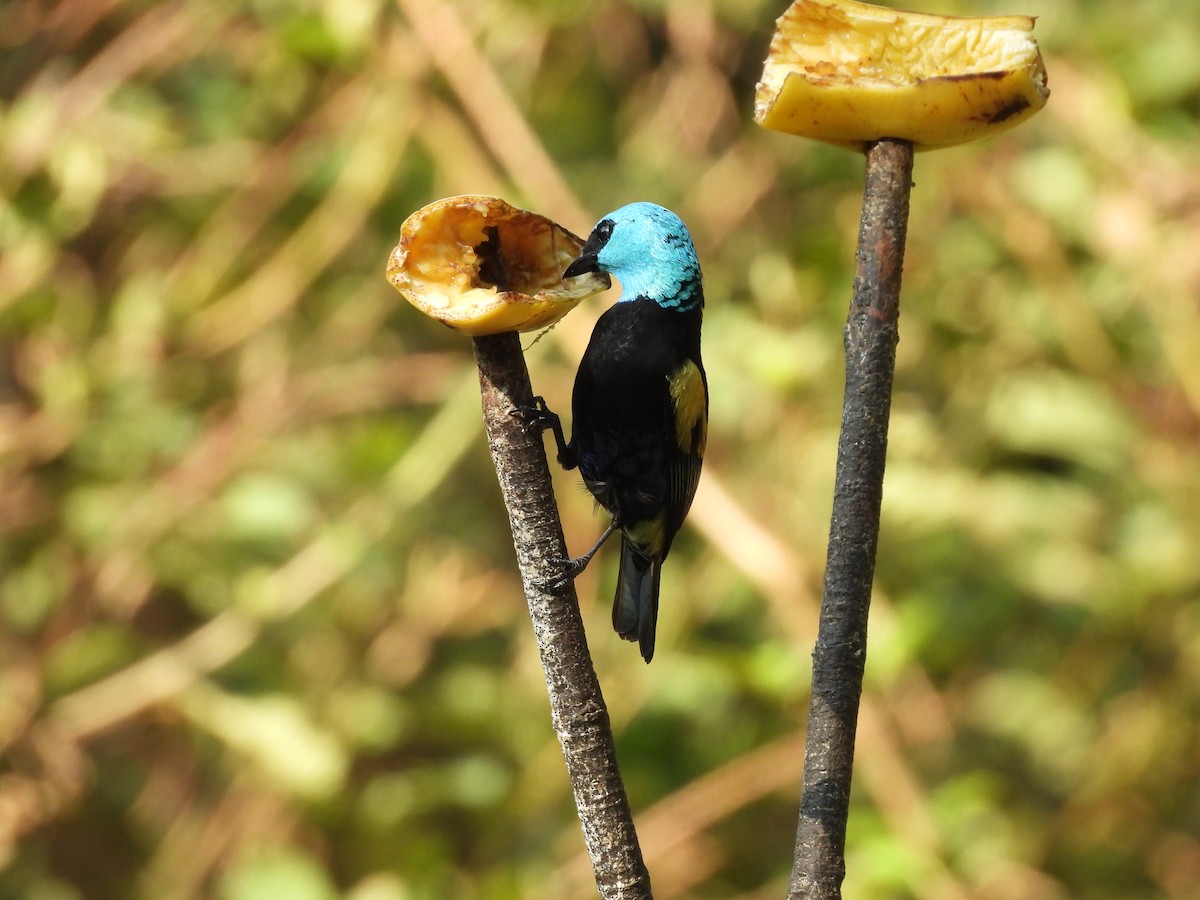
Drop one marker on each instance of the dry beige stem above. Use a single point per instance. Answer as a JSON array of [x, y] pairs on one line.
[[849, 73], [481, 266]]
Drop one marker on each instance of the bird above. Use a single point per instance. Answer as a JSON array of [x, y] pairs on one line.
[[639, 407]]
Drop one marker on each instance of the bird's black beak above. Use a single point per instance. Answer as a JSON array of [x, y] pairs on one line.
[[588, 260], [584, 263]]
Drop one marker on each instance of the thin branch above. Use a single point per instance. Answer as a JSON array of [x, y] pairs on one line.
[[841, 650], [577, 708]]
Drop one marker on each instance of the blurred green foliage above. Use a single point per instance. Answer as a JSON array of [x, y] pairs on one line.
[[260, 630]]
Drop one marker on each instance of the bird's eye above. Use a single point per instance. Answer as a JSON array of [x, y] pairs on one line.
[[604, 230]]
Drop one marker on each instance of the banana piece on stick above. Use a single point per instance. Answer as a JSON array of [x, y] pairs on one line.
[[849, 73], [482, 266]]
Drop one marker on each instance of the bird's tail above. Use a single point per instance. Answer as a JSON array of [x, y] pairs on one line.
[[635, 608]]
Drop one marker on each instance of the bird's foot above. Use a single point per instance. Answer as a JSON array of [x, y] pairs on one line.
[[571, 569], [539, 417], [536, 417]]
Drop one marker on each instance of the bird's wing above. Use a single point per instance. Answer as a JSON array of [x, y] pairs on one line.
[[689, 406]]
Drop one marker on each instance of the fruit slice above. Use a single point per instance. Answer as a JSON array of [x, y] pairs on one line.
[[849, 73], [481, 266]]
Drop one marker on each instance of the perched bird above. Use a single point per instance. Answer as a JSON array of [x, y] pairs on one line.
[[640, 403]]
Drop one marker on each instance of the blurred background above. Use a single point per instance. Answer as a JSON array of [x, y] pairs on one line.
[[261, 633]]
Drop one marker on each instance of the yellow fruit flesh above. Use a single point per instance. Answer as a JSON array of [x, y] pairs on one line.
[[848, 73], [481, 266]]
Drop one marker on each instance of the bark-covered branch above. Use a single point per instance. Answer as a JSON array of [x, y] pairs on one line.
[[577, 708], [841, 650]]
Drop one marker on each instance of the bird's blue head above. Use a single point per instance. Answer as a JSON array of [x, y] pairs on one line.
[[649, 249]]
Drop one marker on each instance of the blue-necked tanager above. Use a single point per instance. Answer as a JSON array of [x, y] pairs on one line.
[[640, 403]]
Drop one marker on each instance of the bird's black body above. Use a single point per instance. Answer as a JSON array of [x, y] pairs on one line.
[[623, 415]]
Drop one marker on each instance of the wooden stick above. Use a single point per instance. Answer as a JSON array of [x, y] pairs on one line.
[[841, 650], [577, 709]]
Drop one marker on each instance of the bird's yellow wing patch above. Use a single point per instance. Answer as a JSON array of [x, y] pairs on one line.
[[649, 536], [690, 400]]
